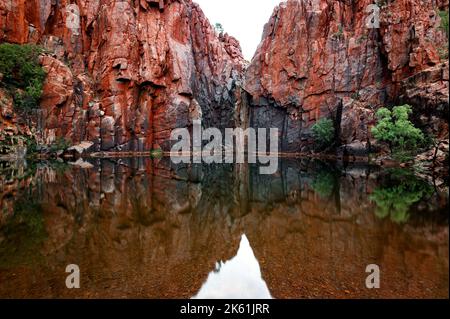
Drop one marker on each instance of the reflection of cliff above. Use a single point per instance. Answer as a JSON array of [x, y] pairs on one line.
[[13, 179], [305, 256], [312, 246], [144, 229], [128, 232]]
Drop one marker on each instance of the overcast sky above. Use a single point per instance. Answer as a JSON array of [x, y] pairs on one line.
[[243, 19]]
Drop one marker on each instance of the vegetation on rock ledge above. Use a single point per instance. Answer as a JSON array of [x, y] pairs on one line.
[[443, 50], [444, 20], [395, 128], [323, 132], [21, 73]]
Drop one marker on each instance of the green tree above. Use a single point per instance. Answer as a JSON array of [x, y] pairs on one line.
[[22, 74], [323, 132], [395, 128]]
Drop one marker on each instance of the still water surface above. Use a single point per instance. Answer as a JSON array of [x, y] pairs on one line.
[[143, 228]]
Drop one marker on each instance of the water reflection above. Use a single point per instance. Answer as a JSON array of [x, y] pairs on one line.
[[399, 192], [146, 228], [238, 278]]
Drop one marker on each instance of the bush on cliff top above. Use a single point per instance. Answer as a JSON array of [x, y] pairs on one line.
[[22, 75], [395, 128], [219, 28]]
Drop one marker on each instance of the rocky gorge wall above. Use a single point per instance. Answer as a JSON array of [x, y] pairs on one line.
[[319, 59], [123, 74]]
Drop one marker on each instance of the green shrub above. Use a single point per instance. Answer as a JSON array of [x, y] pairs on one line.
[[444, 20], [32, 146], [60, 144], [443, 52], [156, 153], [356, 96], [338, 34], [323, 132], [23, 76], [395, 128]]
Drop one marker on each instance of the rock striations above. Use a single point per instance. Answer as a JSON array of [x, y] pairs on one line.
[[326, 58], [123, 74]]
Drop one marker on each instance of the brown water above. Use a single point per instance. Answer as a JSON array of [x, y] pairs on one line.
[[142, 228]]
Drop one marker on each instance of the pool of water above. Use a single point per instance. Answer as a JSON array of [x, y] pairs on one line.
[[146, 228]]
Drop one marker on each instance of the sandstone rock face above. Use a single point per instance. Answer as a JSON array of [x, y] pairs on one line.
[[428, 91], [123, 74], [13, 131], [320, 58]]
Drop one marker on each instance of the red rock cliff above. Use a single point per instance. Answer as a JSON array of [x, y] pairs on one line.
[[124, 73], [319, 58]]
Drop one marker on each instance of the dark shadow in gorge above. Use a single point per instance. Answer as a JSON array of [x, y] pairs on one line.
[[150, 229]]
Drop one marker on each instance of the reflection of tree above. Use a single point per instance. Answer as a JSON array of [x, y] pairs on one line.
[[396, 197], [324, 183]]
